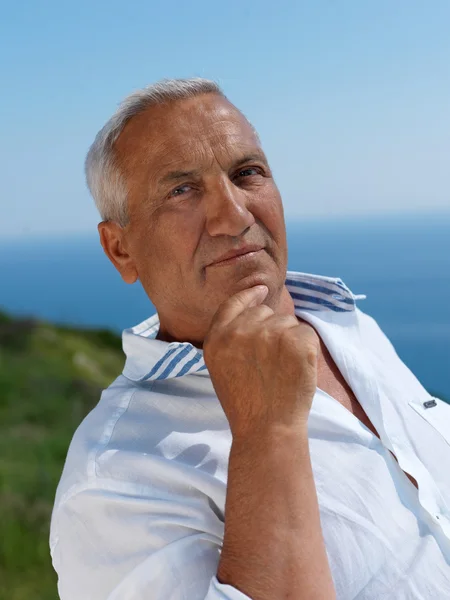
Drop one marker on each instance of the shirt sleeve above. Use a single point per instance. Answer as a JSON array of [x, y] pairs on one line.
[[126, 544]]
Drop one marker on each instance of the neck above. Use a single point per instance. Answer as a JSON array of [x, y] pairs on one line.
[[168, 333]]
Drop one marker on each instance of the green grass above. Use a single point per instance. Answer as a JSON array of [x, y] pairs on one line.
[[50, 377]]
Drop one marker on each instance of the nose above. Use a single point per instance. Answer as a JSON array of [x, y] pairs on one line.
[[226, 209]]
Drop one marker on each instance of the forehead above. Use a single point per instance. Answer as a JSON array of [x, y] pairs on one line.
[[183, 133]]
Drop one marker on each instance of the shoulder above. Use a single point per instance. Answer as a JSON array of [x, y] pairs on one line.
[[133, 427], [91, 436], [165, 440]]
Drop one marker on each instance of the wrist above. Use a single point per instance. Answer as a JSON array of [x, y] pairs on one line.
[[276, 435]]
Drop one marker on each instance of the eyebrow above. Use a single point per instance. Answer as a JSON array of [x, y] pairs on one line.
[[177, 175], [257, 155], [174, 176]]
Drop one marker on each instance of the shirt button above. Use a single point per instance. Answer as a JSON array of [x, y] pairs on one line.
[[395, 441]]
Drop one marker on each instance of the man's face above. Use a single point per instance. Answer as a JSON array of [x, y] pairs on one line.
[[199, 186]]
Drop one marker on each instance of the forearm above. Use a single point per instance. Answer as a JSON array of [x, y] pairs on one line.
[[273, 546]]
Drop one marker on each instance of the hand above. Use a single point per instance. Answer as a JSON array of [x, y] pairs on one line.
[[263, 366]]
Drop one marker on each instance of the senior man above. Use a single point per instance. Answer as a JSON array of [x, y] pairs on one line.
[[264, 441]]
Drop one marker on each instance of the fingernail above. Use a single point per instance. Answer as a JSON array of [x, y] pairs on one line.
[[262, 289]]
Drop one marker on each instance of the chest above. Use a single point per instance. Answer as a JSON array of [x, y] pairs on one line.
[[331, 381]]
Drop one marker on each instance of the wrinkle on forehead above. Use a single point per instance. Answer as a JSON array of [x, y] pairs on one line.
[[202, 152], [188, 132]]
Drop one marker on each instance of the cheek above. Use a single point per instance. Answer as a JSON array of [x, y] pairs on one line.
[[269, 209], [170, 242]]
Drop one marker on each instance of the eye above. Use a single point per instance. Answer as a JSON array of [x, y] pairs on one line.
[[248, 172], [180, 190]]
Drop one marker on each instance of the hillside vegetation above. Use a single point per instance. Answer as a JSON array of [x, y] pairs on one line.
[[50, 377]]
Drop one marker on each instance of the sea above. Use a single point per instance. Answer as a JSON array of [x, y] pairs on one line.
[[400, 262]]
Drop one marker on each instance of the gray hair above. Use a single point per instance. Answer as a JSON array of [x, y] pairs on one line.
[[104, 179]]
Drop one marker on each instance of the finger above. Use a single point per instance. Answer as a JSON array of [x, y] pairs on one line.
[[234, 306], [256, 314]]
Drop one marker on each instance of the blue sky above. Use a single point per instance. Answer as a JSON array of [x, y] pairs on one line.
[[351, 98]]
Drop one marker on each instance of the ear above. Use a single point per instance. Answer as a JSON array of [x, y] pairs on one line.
[[112, 238]]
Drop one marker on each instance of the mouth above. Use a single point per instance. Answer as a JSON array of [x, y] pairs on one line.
[[238, 256]]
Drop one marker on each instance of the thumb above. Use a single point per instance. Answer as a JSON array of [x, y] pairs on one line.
[[256, 295], [234, 306]]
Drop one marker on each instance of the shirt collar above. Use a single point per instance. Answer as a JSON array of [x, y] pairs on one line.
[[149, 359]]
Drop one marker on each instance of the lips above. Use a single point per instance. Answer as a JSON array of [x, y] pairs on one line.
[[237, 252]]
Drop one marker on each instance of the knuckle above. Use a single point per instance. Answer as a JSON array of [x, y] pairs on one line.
[[261, 311], [287, 321], [311, 354], [234, 334], [285, 334]]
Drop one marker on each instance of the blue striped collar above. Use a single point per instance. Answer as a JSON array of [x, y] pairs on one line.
[[149, 359]]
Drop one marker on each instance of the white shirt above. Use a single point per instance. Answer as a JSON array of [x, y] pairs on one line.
[[139, 511]]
